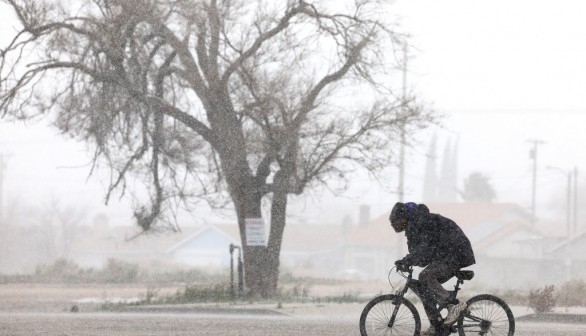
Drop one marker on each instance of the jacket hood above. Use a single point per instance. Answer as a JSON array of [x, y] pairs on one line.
[[421, 211]]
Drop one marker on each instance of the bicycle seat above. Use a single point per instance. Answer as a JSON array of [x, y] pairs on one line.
[[465, 274]]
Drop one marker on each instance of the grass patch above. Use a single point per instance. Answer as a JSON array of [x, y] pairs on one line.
[[343, 298]]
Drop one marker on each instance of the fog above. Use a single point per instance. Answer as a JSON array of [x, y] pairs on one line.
[[502, 74]]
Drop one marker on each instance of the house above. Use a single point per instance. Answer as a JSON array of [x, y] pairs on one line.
[[496, 230], [313, 247], [574, 248], [571, 255], [372, 248], [508, 250], [303, 246], [95, 245], [207, 247]]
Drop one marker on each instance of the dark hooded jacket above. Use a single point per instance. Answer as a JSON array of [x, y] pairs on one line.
[[432, 237]]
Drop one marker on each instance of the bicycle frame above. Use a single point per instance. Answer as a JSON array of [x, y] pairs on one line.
[[411, 283], [400, 295]]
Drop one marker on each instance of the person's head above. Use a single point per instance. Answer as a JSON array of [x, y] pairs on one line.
[[401, 215]]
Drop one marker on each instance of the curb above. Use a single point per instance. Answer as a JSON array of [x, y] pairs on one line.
[[554, 318], [192, 309]]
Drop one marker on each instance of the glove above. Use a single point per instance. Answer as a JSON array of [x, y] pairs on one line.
[[402, 265]]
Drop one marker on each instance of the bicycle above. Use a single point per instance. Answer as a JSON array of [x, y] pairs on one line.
[[393, 314]]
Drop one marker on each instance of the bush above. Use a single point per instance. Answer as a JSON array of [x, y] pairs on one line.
[[542, 300], [344, 298], [117, 271], [62, 270], [114, 271], [516, 297], [572, 293], [194, 294]]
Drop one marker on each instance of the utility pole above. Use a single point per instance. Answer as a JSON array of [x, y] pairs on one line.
[[576, 202], [533, 155], [569, 233], [401, 188], [2, 167], [568, 174]]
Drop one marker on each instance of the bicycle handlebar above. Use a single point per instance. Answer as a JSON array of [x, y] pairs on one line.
[[406, 274]]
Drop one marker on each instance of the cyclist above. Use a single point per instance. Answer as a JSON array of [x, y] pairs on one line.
[[439, 245]]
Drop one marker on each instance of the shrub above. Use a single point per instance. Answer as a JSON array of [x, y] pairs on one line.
[[344, 298], [62, 270], [542, 300], [117, 271], [572, 293], [194, 294]]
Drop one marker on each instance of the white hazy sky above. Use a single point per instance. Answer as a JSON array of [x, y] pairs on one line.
[[502, 72]]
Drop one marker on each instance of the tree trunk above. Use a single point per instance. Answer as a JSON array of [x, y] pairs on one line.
[[261, 263]]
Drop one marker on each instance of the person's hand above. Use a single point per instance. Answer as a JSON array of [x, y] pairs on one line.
[[402, 265]]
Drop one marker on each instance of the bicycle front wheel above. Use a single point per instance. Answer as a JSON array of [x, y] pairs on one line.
[[377, 317], [486, 315]]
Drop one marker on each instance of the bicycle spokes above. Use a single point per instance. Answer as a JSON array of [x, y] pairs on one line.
[[486, 316], [389, 315]]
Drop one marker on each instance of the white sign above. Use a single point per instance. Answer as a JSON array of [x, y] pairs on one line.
[[255, 232]]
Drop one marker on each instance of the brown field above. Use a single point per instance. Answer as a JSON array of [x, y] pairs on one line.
[[57, 298], [52, 298]]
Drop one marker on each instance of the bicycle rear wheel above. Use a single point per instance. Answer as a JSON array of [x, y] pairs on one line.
[[377, 314], [486, 315]]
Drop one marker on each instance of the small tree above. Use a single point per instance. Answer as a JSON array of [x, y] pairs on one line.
[[57, 227], [477, 188]]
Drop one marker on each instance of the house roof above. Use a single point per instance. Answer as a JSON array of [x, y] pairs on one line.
[[470, 215], [376, 232], [308, 237], [296, 237], [120, 239], [227, 232], [126, 239], [562, 246], [483, 223]]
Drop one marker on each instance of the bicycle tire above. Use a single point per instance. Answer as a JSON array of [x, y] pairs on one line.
[[496, 315], [377, 313]]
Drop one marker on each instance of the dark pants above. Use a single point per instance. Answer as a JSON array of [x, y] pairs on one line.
[[429, 287]]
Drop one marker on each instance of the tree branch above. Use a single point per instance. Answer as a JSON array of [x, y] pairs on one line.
[[309, 102], [283, 23]]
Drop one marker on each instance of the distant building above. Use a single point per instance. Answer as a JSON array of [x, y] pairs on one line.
[[509, 251]]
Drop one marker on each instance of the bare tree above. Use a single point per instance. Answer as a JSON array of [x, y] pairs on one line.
[[216, 100], [57, 227]]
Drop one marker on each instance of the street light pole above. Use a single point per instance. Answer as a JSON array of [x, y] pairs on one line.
[[575, 230], [533, 156]]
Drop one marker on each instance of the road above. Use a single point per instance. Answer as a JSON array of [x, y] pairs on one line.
[[143, 324]]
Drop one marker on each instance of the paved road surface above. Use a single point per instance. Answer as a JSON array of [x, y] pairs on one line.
[[143, 324]]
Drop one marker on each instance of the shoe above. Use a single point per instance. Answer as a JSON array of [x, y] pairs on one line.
[[454, 312], [429, 332]]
